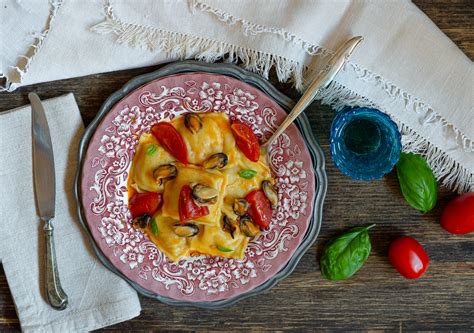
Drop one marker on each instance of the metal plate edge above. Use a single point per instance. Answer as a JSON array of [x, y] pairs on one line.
[[262, 84]]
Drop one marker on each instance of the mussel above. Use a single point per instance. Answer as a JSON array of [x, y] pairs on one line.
[[240, 206], [193, 122], [186, 230], [228, 226], [141, 221], [204, 195], [248, 227], [216, 161], [165, 172], [270, 193]]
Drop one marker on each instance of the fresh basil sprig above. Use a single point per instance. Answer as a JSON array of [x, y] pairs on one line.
[[247, 173], [154, 227], [151, 150], [344, 255], [223, 248], [417, 182]]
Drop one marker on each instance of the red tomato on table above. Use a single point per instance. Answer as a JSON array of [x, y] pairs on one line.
[[408, 257], [188, 209], [458, 215], [246, 140], [145, 203], [260, 210], [171, 140]]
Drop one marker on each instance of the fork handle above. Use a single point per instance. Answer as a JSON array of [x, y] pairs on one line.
[[302, 104], [334, 65], [56, 296]]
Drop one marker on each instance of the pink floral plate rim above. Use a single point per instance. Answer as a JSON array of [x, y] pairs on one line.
[[106, 153]]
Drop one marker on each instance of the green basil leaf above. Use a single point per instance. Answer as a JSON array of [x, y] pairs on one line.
[[224, 249], [344, 255], [247, 173], [154, 227], [151, 150], [417, 182]]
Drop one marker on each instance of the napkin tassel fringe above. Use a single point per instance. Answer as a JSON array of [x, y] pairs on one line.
[[250, 28], [13, 80], [447, 171], [181, 46], [413, 104]]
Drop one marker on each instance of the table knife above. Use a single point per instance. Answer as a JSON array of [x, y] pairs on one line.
[[45, 193]]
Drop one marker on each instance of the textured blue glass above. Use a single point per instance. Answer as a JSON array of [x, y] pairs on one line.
[[365, 143]]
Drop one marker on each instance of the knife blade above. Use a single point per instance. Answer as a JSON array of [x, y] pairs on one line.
[[45, 194], [43, 161]]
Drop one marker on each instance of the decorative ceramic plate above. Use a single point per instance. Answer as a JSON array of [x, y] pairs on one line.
[[106, 154]]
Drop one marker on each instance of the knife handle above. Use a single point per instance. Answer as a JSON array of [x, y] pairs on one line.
[[56, 296]]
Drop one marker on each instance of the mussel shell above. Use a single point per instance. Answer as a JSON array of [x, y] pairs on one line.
[[193, 122], [240, 206], [248, 227], [216, 161], [270, 193], [186, 230], [141, 221], [228, 226], [205, 195], [165, 172]]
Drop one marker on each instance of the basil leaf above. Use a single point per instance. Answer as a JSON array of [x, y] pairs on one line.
[[151, 150], [247, 173], [154, 227], [224, 249], [344, 255], [417, 182]]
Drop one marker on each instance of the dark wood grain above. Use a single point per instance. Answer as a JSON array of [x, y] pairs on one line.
[[377, 298]]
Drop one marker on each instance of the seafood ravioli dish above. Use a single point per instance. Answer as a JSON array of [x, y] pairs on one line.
[[199, 185]]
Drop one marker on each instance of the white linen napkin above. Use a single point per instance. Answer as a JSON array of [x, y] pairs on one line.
[[406, 66], [97, 297]]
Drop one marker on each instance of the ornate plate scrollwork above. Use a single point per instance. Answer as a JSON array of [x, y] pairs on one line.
[[106, 170]]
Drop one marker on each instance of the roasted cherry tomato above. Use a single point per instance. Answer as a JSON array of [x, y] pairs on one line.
[[458, 215], [260, 210], [171, 140], [246, 140], [145, 203], [188, 209], [408, 257]]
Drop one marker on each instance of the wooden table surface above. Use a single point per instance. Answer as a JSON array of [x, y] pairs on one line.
[[376, 297]]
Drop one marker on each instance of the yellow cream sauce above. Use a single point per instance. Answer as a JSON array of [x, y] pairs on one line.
[[215, 136]]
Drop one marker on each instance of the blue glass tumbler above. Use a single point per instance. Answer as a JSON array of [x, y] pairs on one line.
[[365, 143]]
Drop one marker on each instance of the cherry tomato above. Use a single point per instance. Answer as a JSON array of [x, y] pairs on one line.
[[145, 203], [188, 209], [171, 140], [458, 215], [246, 140], [408, 257], [260, 210]]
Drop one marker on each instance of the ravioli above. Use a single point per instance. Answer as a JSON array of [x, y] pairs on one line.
[[217, 242], [210, 235], [173, 246], [149, 155], [193, 175], [214, 137]]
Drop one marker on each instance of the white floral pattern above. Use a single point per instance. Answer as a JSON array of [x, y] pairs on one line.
[[195, 275], [243, 272], [211, 91], [132, 256]]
